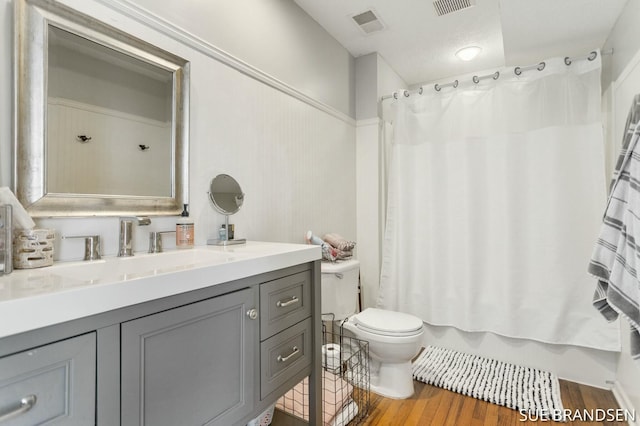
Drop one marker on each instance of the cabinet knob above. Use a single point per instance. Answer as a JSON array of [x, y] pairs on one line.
[[252, 313]]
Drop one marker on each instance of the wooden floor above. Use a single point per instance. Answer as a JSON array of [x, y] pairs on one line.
[[435, 406]]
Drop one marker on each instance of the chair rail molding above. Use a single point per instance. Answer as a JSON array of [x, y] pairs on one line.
[[145, 17]]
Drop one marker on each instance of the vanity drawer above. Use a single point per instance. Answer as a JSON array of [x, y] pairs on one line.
[[284, 302], [54, 383], [284, 356]]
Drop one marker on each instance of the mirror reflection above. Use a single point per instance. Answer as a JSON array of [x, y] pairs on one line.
[[109, 120], [226, 194], [227, 197]]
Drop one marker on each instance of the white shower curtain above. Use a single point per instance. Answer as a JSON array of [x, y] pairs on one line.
[[495, 195]]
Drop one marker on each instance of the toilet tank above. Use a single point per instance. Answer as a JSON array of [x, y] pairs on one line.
[[340, 288]]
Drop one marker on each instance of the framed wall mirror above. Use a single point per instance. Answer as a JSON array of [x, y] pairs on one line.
[[101, 118]]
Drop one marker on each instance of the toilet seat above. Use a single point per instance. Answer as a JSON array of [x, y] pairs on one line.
[[388, 323]]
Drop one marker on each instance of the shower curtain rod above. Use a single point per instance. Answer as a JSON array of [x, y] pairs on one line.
[[517, 71]]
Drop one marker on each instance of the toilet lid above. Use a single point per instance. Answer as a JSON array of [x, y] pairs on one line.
[[385, 322]]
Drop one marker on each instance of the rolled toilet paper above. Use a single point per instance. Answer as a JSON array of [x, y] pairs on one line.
[[331, 357]]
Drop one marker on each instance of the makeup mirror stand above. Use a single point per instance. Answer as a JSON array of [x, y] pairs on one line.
[[227, 198], [227, 241]]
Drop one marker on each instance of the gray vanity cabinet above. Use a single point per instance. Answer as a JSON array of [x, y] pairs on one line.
[[50, 384], [192, 365], [217, 356]]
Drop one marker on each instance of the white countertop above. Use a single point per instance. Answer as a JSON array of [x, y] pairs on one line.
[[35, 298]]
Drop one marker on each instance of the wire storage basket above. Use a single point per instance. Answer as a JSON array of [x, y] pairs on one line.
[[345, 383]]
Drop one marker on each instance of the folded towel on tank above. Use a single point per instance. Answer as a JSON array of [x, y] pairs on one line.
[[334, 247], [342, 255], [329, 252], [339, 242]]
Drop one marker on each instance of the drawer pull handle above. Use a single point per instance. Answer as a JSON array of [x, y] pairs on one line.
[[291, 301], [26, 404], [286, 358], [252, 313]]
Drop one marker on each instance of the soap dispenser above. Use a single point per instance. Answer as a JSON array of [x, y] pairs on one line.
[[185, 230]]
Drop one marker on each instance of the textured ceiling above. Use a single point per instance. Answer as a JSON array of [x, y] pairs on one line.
[[420, 46]]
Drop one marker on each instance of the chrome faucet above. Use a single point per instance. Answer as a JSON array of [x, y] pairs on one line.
[[155, 240], [91, 245], [125, 242]]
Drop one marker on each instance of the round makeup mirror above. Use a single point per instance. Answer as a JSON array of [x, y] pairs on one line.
[[227, 197]]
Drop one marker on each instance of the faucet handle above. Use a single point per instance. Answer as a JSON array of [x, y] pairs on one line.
[[143, 220], [91, 245], [140, 220], [155, 240]]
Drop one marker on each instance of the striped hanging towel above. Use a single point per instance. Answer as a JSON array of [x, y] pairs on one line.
[[616, 256]]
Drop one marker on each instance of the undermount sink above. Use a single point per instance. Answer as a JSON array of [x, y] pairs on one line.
[[141, 265], [69, 291]]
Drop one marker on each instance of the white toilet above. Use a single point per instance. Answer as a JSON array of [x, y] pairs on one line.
[[394, 337]]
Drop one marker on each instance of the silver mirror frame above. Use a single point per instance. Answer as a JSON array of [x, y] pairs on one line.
[[32, 20]]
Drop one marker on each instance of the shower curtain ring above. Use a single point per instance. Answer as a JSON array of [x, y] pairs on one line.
[[437, 87], [567, 60], [593, 55], [517, 70], [406, 93], [541, 66], [496, 75], [475, 79]]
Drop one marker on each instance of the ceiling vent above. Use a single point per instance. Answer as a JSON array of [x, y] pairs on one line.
[[368, 22], [444, 7]]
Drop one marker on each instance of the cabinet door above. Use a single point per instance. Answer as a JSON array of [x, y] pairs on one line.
[[52, 384], [192, 365]]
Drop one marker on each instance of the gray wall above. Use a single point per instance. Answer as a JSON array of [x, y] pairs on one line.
[[367, 86], [624, 39], [275, 36]]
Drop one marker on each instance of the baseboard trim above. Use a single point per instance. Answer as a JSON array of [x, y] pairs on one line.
[[625, 403]]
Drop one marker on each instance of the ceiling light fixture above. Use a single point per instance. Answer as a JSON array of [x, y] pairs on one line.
[[468, 53]]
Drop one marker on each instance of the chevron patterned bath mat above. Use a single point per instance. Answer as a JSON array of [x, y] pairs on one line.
[[520, 388]]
